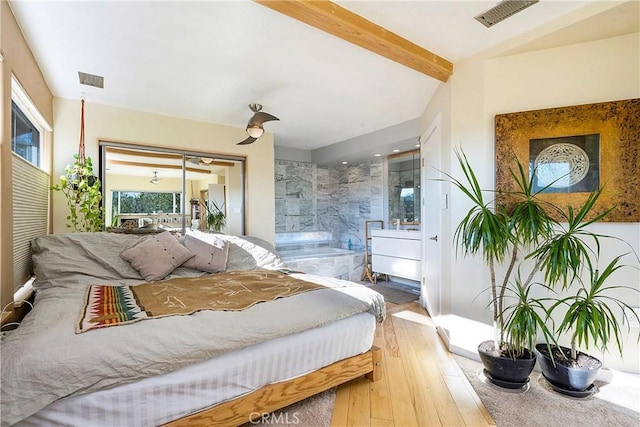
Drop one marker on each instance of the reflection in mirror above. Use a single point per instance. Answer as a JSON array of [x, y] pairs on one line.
[[153, 188], [404, 187]]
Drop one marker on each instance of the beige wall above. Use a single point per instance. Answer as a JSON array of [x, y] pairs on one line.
[[18, 60], [484, 86], [118, 124]]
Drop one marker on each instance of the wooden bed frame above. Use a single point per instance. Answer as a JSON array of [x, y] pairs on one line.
[[272, 396], [278, 395]]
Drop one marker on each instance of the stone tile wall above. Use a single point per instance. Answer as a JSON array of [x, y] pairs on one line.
[[336, 198]]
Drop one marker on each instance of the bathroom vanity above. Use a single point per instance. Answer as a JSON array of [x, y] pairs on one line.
[[397, 253]]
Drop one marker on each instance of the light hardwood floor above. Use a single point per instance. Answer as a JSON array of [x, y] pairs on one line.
[[421, 383]]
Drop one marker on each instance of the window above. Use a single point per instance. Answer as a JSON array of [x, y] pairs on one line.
[[146, 202], [30, 181], [25, 136], [28, 128]]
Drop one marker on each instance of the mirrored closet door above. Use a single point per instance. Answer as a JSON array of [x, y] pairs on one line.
[[158, 188]]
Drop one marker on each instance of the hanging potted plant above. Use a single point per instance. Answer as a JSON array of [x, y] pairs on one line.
[[215, 219], [589, 319], [82, 190], [522, 235]]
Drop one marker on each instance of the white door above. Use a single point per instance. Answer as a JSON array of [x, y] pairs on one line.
[[432, 204]]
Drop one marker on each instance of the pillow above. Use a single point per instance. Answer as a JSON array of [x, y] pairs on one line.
[[74, 259], [157, 256], [210, 257]]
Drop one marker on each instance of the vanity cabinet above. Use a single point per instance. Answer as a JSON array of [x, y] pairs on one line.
[[397, 253]]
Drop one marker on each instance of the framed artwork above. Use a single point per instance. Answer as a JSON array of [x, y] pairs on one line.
[[575, 150]]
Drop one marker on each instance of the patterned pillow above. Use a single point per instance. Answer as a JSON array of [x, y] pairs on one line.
[[157, 256], [210, 256]]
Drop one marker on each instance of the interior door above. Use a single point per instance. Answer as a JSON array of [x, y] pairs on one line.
[[432, 204]]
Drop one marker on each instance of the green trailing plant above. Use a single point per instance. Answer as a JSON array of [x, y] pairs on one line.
[[216, 218], [82, 191], [589, 317], [523, 233]]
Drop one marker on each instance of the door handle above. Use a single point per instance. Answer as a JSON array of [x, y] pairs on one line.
[[434, 238]]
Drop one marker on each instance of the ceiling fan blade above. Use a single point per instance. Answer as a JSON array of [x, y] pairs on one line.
[[249, 140], [260, 117]]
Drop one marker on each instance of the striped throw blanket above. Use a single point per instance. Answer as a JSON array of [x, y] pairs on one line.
[[112, 305]]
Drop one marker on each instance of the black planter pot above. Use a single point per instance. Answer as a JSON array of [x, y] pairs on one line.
[[572, 380], [504, 371]]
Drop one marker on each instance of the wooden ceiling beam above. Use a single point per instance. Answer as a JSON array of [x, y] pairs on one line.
[[154, 166], [155, 154], [342, 23], [112, 150]]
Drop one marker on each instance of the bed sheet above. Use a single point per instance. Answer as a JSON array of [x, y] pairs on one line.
[[157, 400]]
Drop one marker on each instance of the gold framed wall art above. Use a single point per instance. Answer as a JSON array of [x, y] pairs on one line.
[[576, 150]]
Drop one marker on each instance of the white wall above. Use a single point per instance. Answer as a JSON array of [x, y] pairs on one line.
[[119, 124], [482, 87]]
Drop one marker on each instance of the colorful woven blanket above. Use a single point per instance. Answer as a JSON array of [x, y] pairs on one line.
[[112, 305]]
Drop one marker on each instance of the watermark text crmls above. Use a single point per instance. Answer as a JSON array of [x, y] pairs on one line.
[[271, 418]]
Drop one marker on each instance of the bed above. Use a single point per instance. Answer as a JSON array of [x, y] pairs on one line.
[[213, 367]]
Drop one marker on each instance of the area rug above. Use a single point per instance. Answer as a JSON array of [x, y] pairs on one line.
[[395, 293], [314, 411], [615, 404]]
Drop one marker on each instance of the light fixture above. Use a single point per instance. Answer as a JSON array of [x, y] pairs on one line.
[[377, 155], [155, 180], [254, 130], [417, 145], [396, 150], [345, 163], [206, 160]]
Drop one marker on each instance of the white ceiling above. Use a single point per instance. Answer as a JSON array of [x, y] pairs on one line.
[[208, 60]]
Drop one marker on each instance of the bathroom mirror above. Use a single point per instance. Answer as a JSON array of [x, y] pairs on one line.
[[404, 187], [157, 188]]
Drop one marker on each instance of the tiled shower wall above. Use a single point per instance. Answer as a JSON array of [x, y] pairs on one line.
[[336, 198]]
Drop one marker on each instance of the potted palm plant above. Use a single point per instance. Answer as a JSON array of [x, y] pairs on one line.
[[517, 236], [588, 319], [215, 216]]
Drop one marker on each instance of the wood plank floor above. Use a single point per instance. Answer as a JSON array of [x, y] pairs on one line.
[[421, 383]]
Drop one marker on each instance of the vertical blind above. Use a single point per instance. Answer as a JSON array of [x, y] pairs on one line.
[[30, 214]]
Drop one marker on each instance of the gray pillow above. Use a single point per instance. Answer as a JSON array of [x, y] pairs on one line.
[[70, 260], [211, 255], [157, 256]]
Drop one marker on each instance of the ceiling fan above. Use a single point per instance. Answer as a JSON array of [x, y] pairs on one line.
[[204, 161], [254, 127]]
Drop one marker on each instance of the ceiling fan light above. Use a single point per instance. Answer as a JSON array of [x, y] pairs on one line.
[[155, 179], [206, 160], [255, 131]]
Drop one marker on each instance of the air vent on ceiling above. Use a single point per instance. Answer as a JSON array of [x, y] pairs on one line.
[[91, 80], [503, 10]]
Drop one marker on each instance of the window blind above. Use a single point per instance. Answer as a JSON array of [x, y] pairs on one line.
[[30, 214]]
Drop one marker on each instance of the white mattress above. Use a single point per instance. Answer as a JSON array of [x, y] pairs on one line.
[[161, 399]]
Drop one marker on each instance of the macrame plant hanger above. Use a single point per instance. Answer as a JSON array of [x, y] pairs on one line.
[[81, 149]]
